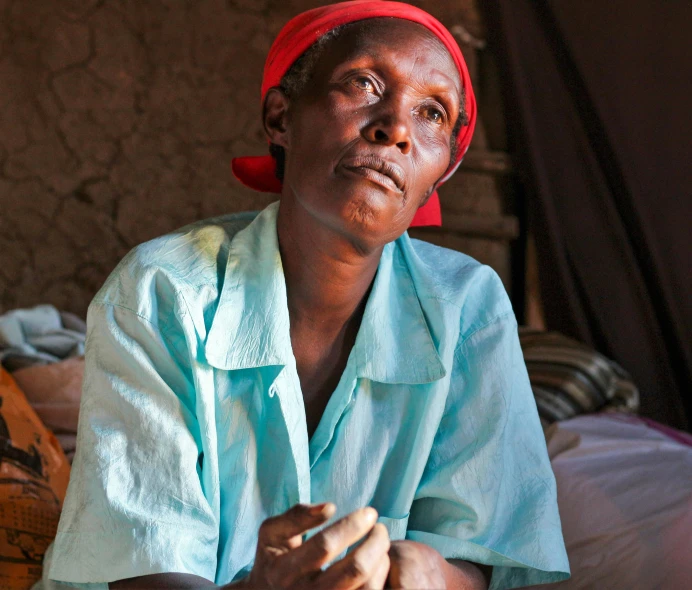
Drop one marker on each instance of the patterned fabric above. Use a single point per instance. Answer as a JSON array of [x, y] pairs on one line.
[[569, 378]]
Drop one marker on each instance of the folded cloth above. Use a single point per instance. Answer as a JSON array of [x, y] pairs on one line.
[[38, 336]]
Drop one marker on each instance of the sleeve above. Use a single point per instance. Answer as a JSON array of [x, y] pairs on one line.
[[488, 492], [136, 502]]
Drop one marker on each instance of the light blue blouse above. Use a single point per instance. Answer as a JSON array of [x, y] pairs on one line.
[[192, 428]]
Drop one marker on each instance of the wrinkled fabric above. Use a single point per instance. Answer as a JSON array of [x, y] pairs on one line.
[[192, 427], [39, 335]]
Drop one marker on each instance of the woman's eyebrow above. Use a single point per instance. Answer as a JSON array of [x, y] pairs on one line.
[[443, 88]]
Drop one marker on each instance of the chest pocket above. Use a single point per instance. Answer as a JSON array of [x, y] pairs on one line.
[[395, 526]]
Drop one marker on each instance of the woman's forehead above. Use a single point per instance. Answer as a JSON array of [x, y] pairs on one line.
[[395, 45]]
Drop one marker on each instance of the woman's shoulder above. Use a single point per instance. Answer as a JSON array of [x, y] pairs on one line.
[[187, 261], [459, 282]]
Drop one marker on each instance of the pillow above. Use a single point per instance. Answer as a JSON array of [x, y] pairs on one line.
[[569, 378], [33, 479]]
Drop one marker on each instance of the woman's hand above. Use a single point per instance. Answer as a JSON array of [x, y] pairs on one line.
[[415, 565], [283, 561]]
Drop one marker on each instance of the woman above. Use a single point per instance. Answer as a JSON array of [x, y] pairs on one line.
[[261, 389]]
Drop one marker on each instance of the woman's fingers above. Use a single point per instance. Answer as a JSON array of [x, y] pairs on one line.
[[327, 544], [379, 578], [281, 530], [278, 536], [284, 561], [361, 567]]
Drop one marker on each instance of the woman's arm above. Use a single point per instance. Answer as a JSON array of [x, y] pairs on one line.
[[166, 582], [488, 492]]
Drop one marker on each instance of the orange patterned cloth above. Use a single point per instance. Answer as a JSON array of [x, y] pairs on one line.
[[33, 479]]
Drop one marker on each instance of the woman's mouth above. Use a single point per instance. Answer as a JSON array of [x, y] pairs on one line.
[[377, 177]]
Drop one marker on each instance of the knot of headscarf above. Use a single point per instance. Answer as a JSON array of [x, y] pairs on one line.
[[258, 172]]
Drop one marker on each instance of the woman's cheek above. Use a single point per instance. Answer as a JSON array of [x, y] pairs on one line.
[[432, 136]]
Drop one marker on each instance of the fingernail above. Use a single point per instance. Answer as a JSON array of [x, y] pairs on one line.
[[325, 507]]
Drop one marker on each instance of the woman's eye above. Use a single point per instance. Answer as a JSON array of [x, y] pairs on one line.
[[435, 114], [364, 84]]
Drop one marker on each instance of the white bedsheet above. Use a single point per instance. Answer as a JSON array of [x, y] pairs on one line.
[[625, 497]]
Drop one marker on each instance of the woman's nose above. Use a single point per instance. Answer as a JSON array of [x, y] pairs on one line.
[[391, 126]]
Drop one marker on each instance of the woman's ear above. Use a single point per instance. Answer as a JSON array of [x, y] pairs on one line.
[[275, 115]]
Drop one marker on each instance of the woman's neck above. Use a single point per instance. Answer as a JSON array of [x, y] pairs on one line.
[[327, 276], [327, 282]]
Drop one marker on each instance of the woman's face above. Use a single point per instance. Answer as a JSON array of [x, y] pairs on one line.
[[385, 96]]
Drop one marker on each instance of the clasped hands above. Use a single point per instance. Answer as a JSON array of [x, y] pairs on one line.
[[285, 562]]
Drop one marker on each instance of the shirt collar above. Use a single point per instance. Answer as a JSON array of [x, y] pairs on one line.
[[394, 343], [251, 325]]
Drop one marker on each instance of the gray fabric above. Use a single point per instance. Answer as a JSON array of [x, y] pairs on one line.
[[73, 322], [38, 336]]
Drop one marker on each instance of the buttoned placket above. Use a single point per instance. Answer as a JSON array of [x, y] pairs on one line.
[[339, 402], [293, 410], [306, 452]]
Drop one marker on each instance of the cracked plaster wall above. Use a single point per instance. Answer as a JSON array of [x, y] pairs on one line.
[[118, 120]]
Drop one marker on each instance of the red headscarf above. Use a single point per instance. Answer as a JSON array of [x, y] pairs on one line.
[[258, 172]]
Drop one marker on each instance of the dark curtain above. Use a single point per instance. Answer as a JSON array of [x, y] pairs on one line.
[[598, 102]]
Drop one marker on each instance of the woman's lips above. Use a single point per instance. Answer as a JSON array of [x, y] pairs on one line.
[[375, 176]]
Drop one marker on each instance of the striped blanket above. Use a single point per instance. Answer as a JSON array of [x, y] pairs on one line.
[[569, 378]]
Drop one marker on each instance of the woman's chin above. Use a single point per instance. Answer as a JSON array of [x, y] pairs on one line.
[[372, 219], [364, 210], [361, 211]]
